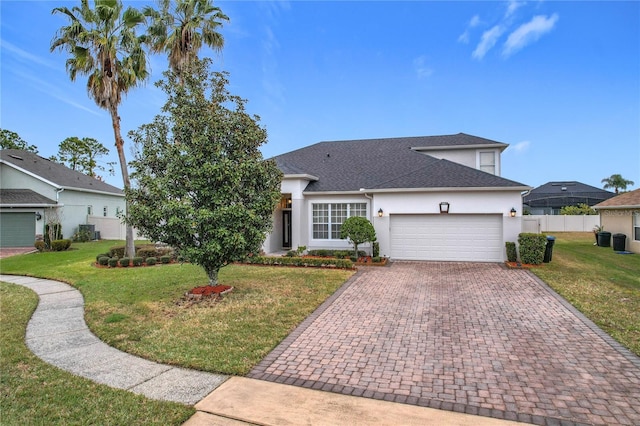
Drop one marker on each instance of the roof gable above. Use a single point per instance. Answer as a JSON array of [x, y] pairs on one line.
[[54, 173], [385, 164]]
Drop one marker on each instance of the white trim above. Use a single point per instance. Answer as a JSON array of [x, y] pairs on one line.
[[501, 147], [442, 189], [303, 176]]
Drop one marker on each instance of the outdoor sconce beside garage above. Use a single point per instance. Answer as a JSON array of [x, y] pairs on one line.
[[444, 207], [512, 213], [380, 213]]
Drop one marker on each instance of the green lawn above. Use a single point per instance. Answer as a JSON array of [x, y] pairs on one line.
[[603, 285], [137, 310], [35, 393]]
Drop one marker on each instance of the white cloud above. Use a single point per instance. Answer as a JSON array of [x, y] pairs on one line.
[[489, 39], [25, 56], [521, 146], [474, 22], [512, 6], [529, 33], [421, 67]]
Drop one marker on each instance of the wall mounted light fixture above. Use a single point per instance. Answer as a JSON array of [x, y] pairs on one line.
[[380, 213], [512, 213], [444, 207], [38, 216]]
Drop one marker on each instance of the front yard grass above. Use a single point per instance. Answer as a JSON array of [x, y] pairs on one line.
[[603, 285], [33, 392], [136, 309]]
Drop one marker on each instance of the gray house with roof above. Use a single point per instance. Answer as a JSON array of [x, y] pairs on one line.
[[429, 198], [551, 197], [35, 191]]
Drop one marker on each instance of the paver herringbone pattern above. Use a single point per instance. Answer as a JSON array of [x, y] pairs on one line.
[[475, 338]]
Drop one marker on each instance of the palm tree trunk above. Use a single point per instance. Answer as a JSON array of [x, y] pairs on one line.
[[129, 250]]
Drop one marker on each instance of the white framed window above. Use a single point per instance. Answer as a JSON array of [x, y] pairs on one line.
[[636, 226], [105, 211], [328, 218], [487, 161]]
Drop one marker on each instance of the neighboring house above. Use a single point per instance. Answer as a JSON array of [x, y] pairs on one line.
[[403, 186], [621, 215], [35, 191], [551, 197]]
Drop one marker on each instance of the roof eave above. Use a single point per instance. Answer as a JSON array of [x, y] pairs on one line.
[[406, 190], [303, 176], [497, 145], [92, 191], [627, 207]]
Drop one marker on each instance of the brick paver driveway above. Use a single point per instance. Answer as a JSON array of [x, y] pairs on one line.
[[474, 338]]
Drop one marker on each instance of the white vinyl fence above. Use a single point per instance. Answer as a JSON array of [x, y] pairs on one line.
[[559, 223], [110, 228]]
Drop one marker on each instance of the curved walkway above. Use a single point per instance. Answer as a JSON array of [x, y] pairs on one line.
[[58, 334], [471, 338]]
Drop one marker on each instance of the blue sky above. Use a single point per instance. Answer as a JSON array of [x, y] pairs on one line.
[[557, 80]]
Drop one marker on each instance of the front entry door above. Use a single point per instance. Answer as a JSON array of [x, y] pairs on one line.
[[286, 229]]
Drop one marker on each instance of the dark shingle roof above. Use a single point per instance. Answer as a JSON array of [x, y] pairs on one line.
[[56, 173], [565, 193], [22, 197], [386, 164]]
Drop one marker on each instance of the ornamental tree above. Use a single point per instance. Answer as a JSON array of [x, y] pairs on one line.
[[357, 230], [201, 184]]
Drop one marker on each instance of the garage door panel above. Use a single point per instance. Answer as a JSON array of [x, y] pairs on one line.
[[447, 237], [17, 229]]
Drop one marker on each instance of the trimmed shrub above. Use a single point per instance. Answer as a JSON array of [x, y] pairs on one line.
[[148, 250], [39, 245], [376, 249], [165, 259], [512, 253], [113, 262], [151, 261], [60, 245], [340, 254], [291, 253], [82, 236], [103, 260], [532, 248], [124, 262], [376, 259], [118, 251], [137, 261], [300, 261]]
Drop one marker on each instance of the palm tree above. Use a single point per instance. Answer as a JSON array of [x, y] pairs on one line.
[[102, 44], [617, 182], [182, 31]]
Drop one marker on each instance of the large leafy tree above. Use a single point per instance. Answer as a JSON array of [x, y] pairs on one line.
[[81, 154], [102, 44], [617, 182], [12, 140], [179, 28], [201, 184]]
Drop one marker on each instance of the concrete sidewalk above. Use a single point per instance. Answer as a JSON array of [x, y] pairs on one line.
[[58, 335]]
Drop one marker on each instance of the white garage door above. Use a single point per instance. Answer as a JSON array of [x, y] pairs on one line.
[[447, 237]]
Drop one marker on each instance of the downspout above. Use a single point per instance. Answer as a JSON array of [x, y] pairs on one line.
[[371, 209], [58, 191]]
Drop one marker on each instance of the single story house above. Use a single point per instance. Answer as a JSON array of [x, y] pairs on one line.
[[428, 198], [621, 215], [35, 191], [551, 197]]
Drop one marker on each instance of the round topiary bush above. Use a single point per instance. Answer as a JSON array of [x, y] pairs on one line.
[[124, 262], [113, 262], [165, 259], [151, 261], [137, 261], [103, 260]]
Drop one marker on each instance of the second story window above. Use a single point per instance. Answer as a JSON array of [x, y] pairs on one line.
[[487, 162], [105, 210]]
